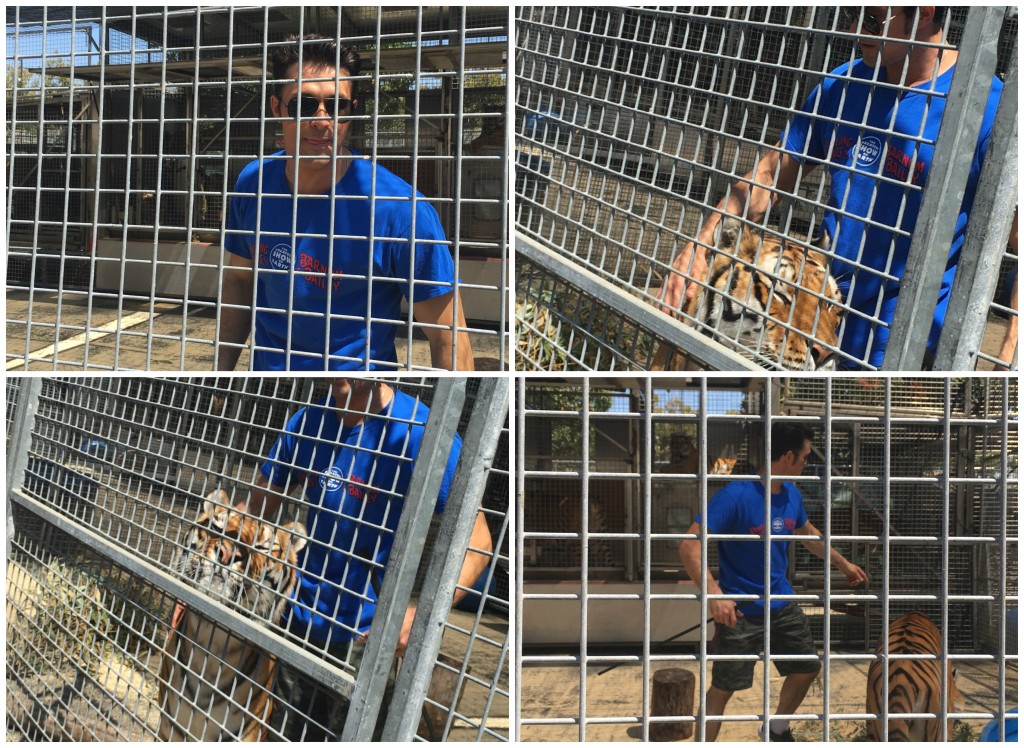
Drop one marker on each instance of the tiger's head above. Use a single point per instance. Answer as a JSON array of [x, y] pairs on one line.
[[238, 560], [771, 296]]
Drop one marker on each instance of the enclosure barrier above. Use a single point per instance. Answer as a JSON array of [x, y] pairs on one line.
[[914, 480], [635, 125], [127, 131], [105, 483]]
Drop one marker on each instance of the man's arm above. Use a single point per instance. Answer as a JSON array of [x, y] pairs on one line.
[[853, 573], [264, 499], [1010, 340], [235, 311], [472, 567], [440, 310], [754, 193], [723, 611]]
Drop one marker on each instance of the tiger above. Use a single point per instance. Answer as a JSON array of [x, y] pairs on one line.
[[213, 685], [914, 685], [746, 305]]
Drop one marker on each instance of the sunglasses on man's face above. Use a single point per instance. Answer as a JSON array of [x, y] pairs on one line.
[[309, 106], [864, 23]]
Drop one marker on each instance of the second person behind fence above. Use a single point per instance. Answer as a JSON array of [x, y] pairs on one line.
[[873, 122], [330, 241], [353, 455]]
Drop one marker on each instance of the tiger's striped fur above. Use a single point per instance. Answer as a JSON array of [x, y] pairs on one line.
[[772, 296], [213, 684], [914, 685]]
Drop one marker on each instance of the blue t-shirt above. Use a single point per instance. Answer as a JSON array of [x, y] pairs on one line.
[[738, 509], [355, 481], [872, 151], [336, 283]]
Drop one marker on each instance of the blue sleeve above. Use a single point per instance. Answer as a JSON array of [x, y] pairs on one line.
[[280, 463], [801, 514], [449, 475], [721, 512], [238, 205], [433, 260], [801, 138]]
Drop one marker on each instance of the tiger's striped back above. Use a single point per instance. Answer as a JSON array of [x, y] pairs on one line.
[[915, 686]]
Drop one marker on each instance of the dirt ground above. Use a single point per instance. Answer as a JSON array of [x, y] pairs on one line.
[[166, 337], [553, 692]]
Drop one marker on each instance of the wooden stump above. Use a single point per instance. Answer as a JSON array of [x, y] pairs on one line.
[[672, 696], [442, 690]]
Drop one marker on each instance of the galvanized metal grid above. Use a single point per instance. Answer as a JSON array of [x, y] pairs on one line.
[[127, 130], [913, 479], [631, 126], [113, 474]]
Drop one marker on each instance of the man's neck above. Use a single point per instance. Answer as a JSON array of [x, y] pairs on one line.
[[924, 65], [356, 410], [313, 178]]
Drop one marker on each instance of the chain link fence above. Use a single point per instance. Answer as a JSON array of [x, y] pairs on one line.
[[913, 480], [111, 635], [636, 127], [128, 129]]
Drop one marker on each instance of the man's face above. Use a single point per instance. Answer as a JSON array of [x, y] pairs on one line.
[[317, 137], [793, 463], [870, 23]]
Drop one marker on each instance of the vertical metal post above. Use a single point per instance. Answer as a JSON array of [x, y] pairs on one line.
[[940, 203], [19, 442], [410, 538], [520, 463], [482, 436], [985, 241]]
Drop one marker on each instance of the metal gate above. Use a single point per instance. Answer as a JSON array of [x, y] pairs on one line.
[[127, 131], [914, 480], [633, 124], [106, 478]]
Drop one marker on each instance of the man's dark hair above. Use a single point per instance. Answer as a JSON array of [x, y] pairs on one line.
[[789, 437], [317, 51]]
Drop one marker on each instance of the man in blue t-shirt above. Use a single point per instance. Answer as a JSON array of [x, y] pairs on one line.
[[327, 243], [353, 454], [877, 141], [739, 509]]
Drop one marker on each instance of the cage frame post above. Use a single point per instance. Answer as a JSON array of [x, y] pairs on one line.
[[19, 442], [482, 436], [396, 589], [981, 255], [940, 202]]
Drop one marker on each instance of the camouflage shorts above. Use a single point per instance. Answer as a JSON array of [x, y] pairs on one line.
[[790, 634]]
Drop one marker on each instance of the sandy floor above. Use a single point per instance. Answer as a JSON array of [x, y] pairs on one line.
[[550, 692]]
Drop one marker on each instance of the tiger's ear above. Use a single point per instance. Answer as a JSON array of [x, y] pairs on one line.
[[727, 232], [218, 499], [822, 241], [294, 536]]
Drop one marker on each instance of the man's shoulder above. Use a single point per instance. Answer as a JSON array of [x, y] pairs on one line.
[[248, 178]]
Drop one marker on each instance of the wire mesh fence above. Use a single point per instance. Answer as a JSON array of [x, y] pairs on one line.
[[637, 129], [139, 606], [914, 481], [128, 130]]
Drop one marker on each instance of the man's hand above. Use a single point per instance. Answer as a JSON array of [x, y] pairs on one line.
[[403, 635], [677, 288], [853, 573], [724, 612]]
